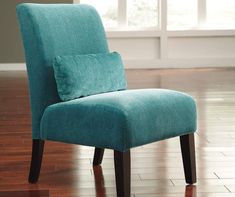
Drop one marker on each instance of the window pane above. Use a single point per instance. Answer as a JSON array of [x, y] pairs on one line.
[[142, 13], [182, 14], [107, 9], [221, 14]]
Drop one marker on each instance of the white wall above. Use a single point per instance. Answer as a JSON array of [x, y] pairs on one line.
[[160, 49], [175, 49]]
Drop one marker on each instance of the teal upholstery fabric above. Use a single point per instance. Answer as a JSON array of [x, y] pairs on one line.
[[120, 120], [50, 30], [83, 75]]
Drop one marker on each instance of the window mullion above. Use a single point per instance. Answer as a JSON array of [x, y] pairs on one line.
[[163, 15], [163, 29], [122, 13], [201, 12]]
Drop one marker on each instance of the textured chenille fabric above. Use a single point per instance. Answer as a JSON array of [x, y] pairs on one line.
[[120, 120], [50, 30], [83, 75]]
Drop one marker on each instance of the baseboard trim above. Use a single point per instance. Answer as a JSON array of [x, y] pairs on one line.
[[12, 66]]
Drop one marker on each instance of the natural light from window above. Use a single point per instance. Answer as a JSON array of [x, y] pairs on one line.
[[139, 13], [107, 9], [181, 14], [142, 13], [220, 14]]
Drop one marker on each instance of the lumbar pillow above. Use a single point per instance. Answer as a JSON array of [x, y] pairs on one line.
[[83, 75]]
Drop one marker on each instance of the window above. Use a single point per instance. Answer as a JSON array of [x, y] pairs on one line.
[[131, 14], [142, 13], [200, 14], [220, 14], [107, 9], [180, 14]]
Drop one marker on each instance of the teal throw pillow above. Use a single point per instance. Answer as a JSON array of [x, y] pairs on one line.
[[83, 75]]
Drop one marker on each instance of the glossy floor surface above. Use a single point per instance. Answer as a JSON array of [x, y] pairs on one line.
[[157, 169]]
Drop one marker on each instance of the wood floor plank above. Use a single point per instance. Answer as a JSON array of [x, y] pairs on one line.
[[156, 168], [29, 193]]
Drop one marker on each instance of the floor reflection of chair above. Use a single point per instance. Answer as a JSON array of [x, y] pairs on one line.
[[99, 181], [190, 191]]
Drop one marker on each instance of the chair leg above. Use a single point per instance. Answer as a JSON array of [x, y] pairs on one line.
[[123, 173], [188, 155], [98, 156], [36, 160]]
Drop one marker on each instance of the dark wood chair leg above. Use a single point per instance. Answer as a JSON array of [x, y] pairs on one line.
[[99, 181], [98, 156], [188, 155], [123, 173], [36, 160]]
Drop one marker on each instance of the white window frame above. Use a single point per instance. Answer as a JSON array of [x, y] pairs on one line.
[[161, 31], [201, 12], [122, 13]]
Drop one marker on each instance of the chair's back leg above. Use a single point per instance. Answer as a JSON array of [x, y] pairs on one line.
[[36, 160], [188, 155], [123, 173], [98, 156]]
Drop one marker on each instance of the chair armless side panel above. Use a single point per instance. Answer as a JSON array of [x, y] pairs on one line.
[[49, 30], [35, 69]]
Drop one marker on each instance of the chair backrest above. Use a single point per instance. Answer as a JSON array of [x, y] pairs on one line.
[[49, 30]]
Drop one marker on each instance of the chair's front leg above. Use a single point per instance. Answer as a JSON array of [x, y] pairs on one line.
[[36, 160], [188, 155], [123, 173], [98, 156]]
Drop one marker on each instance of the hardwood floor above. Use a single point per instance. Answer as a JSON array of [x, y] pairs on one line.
[[157, 169], [29, 193]]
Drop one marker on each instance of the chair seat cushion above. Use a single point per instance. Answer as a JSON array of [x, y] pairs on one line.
[[120, 120]]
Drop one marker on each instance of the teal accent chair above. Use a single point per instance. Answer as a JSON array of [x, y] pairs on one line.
[[118, 120]]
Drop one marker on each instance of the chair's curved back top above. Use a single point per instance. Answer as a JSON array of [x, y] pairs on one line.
[[49, 30]]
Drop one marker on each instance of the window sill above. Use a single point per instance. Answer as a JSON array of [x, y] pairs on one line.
[[201, 32], [169, 33], [132, 33]]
